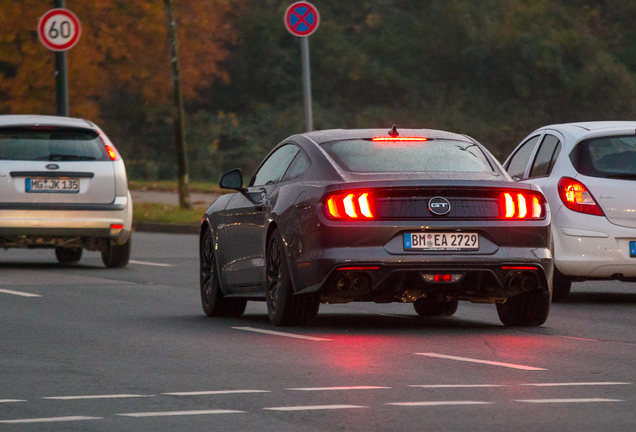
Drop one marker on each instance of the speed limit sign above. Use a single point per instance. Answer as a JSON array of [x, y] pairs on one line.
[[59, 29]]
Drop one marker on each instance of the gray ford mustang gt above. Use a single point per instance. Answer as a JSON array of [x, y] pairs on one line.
[[411, 215]]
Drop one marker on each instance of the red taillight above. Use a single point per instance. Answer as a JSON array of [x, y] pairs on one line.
[[112, 153], [116, 226], [521, 205], [518, 268], [442, 278], [359, 268], [577, 197], [398, 139], [350, 206]]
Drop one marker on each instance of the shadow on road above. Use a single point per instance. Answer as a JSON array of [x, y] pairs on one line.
[[600, 298]]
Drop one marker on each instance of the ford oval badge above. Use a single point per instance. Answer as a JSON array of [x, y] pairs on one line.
[[52, 166], [439, 206]]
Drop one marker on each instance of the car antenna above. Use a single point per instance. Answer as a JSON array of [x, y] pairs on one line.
[[394, 132]]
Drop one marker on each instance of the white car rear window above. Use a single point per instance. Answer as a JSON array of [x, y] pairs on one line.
[[50, 144]]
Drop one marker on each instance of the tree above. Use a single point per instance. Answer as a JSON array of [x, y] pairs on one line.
[[123, 47]]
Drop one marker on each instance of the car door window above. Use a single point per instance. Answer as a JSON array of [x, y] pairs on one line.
[[517, 165], [546, 157], [273, 170], [299, 165]]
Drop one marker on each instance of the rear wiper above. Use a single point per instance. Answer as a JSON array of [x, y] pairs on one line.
[[67, 157], [626, 176]]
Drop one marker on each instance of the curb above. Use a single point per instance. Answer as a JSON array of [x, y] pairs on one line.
[[152, 227]]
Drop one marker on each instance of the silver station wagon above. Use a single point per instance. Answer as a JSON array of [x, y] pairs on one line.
[[63, 186]]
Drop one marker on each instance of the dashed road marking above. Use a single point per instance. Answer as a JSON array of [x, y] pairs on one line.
[[314, 407], [587, 400], [151, 263], [113, 396], [439, 403], [277, 333], [339, 388], [19, 293], [458, 385], [50, 419], [11, 400], [215, 392], [180, 413], [576, 384], [488, 362]]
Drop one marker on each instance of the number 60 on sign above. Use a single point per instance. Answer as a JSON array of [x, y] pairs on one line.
[[59, 29]]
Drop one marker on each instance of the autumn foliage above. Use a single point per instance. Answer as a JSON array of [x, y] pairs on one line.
[[123, 46]]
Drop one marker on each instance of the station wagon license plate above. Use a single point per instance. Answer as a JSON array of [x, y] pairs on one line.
[[57, 185], [632, 249], [441, 241]]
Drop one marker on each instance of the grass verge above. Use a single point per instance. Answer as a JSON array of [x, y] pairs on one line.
[[172, 186], [166, 213]]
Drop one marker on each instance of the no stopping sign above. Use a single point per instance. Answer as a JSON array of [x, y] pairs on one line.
[[301, 19], [59, 29]]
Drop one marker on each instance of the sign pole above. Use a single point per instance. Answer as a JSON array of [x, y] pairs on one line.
[[304, 54], [61, 77]]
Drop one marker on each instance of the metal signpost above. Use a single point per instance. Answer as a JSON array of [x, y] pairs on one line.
[[59, 30], [302, 19]]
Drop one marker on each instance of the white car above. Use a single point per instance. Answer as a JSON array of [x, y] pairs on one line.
[[63, 185], [587, 172]]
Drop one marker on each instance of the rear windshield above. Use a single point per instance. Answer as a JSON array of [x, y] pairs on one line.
[[60, 144], [434, 155], [606, 157]]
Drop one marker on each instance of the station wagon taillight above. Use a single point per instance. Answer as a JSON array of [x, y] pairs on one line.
[[350, 206], [577, 197], [521, 205]]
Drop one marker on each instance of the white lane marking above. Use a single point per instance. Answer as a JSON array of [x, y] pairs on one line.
[[568, 400], [466, 359], [50, 419], [313, 407], [113, 396], [11, 400], [576, 384], [458, 385], [439, 403], [215, 392], [151, 263], [277, 333], [19, 293], [179, 413], [339, 388], [576, 338]]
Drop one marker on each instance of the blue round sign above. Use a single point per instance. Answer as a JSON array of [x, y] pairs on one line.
[[301, 19]]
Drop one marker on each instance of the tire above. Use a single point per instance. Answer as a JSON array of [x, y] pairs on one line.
[[529, 309], [117, 256], [430, 308], [214, 305], [283, 307], [68, 255], [561, 286]]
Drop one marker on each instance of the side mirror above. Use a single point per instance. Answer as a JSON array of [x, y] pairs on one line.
[[232, 180]]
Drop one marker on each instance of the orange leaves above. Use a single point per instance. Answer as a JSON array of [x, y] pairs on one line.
[[123, 46]]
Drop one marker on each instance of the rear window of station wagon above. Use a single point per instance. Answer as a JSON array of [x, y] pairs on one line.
[[606, 157], [50, 144], [408, 156]]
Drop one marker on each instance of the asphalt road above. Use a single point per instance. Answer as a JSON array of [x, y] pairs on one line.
[[130, 350]]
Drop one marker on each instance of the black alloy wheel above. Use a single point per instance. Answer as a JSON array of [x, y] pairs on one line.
[[283, 306], [528, 309], [214, 305]]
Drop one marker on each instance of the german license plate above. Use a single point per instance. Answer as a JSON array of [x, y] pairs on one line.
[[441, 241], [632, 249], [57, 185]]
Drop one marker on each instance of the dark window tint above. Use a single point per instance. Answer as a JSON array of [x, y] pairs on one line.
[[273, 170], [517, 166], [427, 156], [299, 165], [59, 144], [546, 157], [606, 157]]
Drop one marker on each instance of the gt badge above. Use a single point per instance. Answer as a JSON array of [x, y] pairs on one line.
[[439, 206]]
